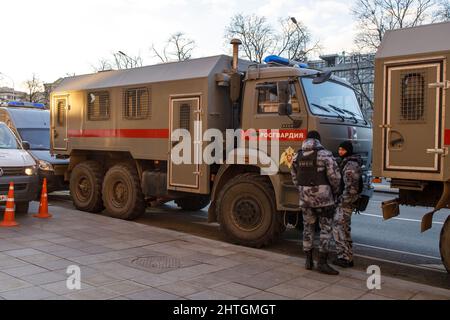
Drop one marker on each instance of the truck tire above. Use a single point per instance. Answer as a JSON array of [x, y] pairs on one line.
[[193, 203], [22, 207], [444, 244], [247, 213], [86, 186], [122, 194]]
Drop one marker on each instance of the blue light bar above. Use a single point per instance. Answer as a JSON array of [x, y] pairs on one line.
[[285, 62], [25, 104]]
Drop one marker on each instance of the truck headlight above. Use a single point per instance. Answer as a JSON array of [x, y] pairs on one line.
[[45, 165], [29, 171]]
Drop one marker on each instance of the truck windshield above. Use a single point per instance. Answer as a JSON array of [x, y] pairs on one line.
[[39, 139], [331, 99], [7, 139]]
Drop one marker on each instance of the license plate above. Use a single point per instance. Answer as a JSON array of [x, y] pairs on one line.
[[3, 197]]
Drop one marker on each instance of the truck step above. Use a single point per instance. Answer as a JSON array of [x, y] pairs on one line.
[[290, 206]]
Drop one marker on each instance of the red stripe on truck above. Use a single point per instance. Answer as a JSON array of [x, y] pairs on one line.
[[120, 133], [447, 137]]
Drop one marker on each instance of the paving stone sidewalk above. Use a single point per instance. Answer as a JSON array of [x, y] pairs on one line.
[[126, 260]]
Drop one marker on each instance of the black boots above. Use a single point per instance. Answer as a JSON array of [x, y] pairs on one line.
[[323, 266], [309, 265], [343, 263]]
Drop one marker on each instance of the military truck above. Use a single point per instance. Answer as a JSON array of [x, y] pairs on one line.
[[117, 127], [411, 122]]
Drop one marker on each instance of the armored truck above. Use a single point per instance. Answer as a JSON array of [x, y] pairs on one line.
[[411, 123], [121, 130]]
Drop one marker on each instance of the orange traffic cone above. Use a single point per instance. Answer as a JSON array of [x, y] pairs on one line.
[[43, 205], [8, 218]]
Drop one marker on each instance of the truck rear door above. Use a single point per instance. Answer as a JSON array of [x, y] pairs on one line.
[[185, 114], [59, 122], [413, 105]]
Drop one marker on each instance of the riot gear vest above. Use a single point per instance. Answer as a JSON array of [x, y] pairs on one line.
[[308, 173]]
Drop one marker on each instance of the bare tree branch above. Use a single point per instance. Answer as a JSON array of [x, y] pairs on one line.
[[256, 34], [178, 48], [375, 17], [442, 12], [35, 88]]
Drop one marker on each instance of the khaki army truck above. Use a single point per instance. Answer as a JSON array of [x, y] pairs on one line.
[[411, 121], [118, 127]]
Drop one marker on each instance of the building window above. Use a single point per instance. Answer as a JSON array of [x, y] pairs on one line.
[[136, 103], [413, 96], [98, 105], [268, 98]]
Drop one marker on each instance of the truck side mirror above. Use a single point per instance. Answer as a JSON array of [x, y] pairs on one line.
[[284, 98], [26, 145], [284, 109], [322, 77]]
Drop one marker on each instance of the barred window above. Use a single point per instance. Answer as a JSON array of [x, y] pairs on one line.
[[136, 103], [185, 116], [61, 112], [413, 96], [98, 105]]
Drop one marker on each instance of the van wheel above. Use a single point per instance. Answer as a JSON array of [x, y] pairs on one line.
[[247, 213], [193, 203], [444, 244], [22, 207], [86, 186], [122, 194]]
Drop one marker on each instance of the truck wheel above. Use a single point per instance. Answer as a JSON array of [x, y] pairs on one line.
[[122, 194], [247, 213], [193, 203], [444, 244], [86, 186], [22, 207]]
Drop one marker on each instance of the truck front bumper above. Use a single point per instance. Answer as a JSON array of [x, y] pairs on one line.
[[25, 187]]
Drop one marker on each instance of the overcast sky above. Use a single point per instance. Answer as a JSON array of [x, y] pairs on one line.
[[52, 38]]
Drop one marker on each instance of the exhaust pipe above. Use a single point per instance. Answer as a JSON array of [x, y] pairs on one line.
[[236, 43]]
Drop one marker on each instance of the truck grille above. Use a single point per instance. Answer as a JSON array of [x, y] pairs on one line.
[[17, 187], [13, 171]]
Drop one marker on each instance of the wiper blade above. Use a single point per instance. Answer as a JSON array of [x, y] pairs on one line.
[[337, 109], [352, 115], [328, 110]]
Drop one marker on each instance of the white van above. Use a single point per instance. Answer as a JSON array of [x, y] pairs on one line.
[[19, 167]]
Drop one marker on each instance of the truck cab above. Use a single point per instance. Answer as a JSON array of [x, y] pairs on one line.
[[329, 106]]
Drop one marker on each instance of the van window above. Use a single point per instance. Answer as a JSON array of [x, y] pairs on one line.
[[38, 138], [413, 96], [136, 103], [7, 139], [98, 105], [268, 98]]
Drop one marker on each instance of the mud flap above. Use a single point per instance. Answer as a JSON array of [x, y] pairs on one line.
[[444, 201], [427, 221], [390, 208]]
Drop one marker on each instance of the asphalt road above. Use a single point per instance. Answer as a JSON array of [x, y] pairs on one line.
[[396, 245]]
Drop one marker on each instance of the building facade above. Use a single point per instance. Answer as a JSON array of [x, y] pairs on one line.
[[8, 94]]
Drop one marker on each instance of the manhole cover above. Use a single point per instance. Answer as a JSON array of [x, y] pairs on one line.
[[157, 262]]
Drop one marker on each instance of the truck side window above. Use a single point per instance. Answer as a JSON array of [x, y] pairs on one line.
[[98, 105], [136, 103], [268, 98], [413, 96]]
